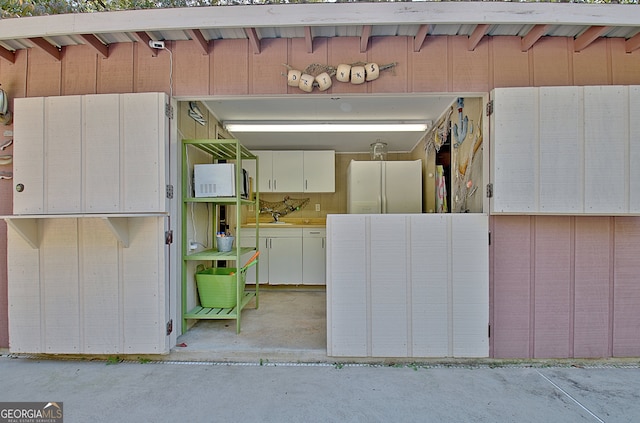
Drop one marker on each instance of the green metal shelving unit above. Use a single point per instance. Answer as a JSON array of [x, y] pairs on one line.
[[228, 150]]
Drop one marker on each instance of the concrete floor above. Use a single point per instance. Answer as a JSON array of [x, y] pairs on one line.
[[289, 326]]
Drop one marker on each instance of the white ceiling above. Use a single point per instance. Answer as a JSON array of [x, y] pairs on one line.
[[313, 107]]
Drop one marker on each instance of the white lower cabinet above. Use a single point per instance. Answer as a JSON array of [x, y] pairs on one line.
[[314, 256], [288, 256]]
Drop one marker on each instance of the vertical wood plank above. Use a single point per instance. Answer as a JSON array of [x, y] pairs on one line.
[[514, 150], [552, 286], [151, 73], [347, 299], [592, 246], [63, 154], [511, 242], [606, 135], [28, 160], [389, 335], [470, 69], [142, 182], [101, 153], [59, 276], [115, 73], [551, 62], [191, 69], [299, 58], [385, 50], [626, 342], [429, 71], [43, 74], [429, 285], [561, 150], [510, 63], [265, 69], [142, 291], [79, 70], [634, 149], [24, 295], [591, 65], [470, 275], [624, 66], [99, 290], [229, 64]]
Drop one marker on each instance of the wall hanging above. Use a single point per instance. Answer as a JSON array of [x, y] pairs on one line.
[[320, 76]]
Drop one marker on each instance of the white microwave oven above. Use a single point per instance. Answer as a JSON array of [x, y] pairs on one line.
[[218, 180]]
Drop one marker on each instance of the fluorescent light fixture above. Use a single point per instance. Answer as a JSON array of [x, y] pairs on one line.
[[316, 126]]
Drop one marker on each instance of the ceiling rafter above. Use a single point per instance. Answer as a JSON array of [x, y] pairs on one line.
[[8, 55], [364, 38], [96, 44], [421, 35], [47, 47], [533, 36], [632, 43], [196, 35], [589, 36], [254, 40], [143, 37], [308, 39], [475, 38]]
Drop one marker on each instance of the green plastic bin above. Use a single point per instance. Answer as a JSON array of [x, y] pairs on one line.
[[217, 286]]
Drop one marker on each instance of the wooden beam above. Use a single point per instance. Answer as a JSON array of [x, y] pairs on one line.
[[253, 39], [364, 38], [418, 40], [588, 37], [196, 35], [143, 38], [533, 36], [97, 45], [8, 55], [474, 39], [308, 38], [47, 47], [632, 43]]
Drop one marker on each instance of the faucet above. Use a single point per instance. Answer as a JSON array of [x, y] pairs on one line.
[[275, 215]]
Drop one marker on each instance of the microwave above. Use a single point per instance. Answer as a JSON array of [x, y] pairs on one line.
[[218, 180]]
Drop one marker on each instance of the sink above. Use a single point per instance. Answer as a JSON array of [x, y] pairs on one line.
[[272, 224]]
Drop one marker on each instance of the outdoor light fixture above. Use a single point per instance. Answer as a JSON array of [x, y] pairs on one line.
[[318, 126]]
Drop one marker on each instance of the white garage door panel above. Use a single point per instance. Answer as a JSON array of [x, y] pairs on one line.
[[634, 149], [28, 155], [422, 285]]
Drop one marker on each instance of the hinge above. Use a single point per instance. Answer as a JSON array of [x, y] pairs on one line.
[[168, 110], [490, 108], [168, 237], [489, 237], [169, 191], [489, 333], [169, 327], [489, 190]]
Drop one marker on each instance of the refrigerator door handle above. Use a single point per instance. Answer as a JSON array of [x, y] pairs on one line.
[[383, 185]]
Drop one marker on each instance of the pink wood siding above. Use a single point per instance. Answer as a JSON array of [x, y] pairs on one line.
[[583, 274], [626, 292], [550, 290]]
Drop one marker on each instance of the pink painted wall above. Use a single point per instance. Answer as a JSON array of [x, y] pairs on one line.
[[552, 291]]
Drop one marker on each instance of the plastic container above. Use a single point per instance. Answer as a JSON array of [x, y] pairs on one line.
[[224, 243], [217, 286]]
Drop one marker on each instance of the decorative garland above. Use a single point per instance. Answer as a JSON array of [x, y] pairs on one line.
[[317, 75]]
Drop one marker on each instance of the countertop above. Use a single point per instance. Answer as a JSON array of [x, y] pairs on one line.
[[289, 223]]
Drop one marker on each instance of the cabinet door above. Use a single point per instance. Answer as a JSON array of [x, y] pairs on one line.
[[262, 178], [285, 261], [313, 258], [263, 259], [287, 171], [319, 171]]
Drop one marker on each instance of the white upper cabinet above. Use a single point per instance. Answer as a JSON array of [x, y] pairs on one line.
[[565, 150], [319, 171], [101, 153], [294, 171]]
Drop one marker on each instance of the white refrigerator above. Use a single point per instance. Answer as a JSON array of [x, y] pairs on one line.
[[384, 187]]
